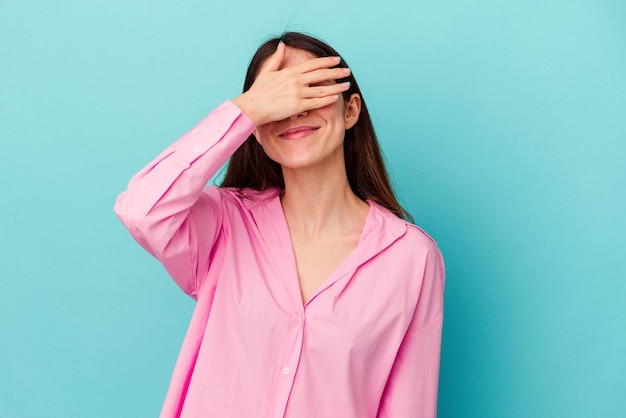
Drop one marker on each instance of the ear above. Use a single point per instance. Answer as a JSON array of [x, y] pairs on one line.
[[256, 135], [353, 110]]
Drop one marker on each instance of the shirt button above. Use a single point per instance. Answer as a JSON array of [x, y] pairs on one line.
[[197, 150], [285, 370]]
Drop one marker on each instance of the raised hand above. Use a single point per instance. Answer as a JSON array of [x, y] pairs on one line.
[[278, 93]]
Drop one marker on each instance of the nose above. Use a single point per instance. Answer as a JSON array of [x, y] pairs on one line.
[[299, 115]]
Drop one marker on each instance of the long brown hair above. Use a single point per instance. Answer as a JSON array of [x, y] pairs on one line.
[[250, 168]]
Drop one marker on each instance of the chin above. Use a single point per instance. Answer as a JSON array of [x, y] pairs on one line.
[[294, 161], [307, 158], [296, 165]]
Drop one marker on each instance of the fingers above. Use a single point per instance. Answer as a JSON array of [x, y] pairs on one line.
[[274, 61], [319, 102], [314, 70], [278, 93], [325, 75], [317, 63], [327, 90], [317, 97]]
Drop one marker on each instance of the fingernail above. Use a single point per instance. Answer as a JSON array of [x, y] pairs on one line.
[[346, 71], [338, 59]]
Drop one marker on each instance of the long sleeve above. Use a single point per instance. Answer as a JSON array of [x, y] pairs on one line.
[[164, 202], [412, 386]]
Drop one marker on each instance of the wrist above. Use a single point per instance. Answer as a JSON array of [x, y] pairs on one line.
[[246, 107]]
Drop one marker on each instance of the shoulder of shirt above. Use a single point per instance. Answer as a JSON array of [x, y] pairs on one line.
[[416, 230], [413, 232]]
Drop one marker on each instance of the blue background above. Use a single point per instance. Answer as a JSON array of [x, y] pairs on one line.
[[504, 124]]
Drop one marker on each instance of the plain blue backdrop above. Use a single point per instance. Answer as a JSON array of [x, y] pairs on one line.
[[504, 125]]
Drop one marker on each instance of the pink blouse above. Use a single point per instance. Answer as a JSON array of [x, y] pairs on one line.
[[367, 343]]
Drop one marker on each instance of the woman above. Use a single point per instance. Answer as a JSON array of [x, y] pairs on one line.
[[315, 298]]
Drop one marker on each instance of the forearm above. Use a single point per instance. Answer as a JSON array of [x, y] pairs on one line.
[[159, 197]]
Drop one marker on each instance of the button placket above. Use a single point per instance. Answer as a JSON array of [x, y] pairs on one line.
[[289, 366]]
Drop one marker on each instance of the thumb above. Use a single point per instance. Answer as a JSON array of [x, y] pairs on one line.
[[274, 61]]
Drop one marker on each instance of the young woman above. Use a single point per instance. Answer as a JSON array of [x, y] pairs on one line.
[[315, 296]]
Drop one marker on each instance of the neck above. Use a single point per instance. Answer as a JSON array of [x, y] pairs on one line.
[[318, 200]]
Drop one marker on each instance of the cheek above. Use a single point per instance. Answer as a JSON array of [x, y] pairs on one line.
[[332, 113], [263, 138], [331, 108], [260, 133]]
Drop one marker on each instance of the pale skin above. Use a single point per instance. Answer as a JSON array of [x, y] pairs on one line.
[[301, 119]]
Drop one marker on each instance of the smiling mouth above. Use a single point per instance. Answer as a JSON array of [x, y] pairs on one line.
[[298, 132]]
